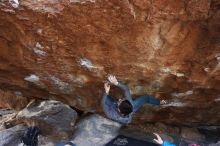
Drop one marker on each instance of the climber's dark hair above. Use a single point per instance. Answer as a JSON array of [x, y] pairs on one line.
[[125, 107]]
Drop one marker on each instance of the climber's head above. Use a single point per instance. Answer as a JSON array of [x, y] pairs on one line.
[[124, 107]]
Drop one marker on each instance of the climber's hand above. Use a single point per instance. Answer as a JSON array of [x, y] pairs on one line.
[[107, 88], [112, 79], [158, 139]]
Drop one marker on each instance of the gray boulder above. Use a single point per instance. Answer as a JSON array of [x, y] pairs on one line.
[[95, 130], [12, 136], [215, 144], [192, 134], [55, 119]]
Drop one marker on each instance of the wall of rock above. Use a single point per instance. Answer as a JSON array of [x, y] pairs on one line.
[[64, 49]]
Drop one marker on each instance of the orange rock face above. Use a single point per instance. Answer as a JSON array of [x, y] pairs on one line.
[[11, 101], [64, 49]]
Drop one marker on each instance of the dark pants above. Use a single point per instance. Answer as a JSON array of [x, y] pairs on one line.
[[140, 101]]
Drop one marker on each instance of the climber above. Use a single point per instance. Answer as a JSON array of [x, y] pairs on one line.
[[123, 109], [161, 142]]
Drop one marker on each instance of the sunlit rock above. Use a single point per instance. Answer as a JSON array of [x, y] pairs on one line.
[[64, 49]]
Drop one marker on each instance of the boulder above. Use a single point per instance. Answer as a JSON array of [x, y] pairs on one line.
[[45, 141], [54, 118], [95, 130], [12, 136], [215, 144], [7, 119], [192, 134]]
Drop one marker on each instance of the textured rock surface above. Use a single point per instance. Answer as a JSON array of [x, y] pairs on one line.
[[181, 136], [12, 136], [63, 50], [54, 119], [12, 101], [7, 119], [191, 133], [45, 141], [216, 144], [95, 130]]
